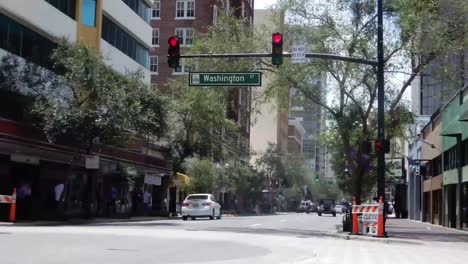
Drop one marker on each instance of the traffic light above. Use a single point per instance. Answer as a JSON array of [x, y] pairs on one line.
[[378, 146], [277, 49], [317, 178], [173, 53]]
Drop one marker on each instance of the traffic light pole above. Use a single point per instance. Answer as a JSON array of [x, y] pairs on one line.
[[266, 55], [380, 105]]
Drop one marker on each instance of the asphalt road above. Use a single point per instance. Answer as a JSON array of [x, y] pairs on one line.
[[284, 238]]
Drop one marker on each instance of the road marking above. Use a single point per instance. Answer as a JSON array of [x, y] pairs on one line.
[[283, 220], [255, 225]]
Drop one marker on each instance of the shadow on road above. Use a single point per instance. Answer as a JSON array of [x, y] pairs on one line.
[[267, 231]]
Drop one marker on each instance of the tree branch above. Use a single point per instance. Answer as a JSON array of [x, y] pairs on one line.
[[408, 82]]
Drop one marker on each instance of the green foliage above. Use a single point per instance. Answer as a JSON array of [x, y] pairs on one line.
[[271, 164], [202, 176], [87, 101], [200, 125], [413, 29]]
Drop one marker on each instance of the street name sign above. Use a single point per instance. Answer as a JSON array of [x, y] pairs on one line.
[[225, 79], [298, 54]]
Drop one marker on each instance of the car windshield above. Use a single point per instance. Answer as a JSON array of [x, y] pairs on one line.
[[197, 197]]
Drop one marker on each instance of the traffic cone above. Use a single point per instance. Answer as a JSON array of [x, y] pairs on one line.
[[380, 219], [355, 229], [12, 216]]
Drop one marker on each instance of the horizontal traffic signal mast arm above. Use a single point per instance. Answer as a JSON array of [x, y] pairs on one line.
[[266, 55]]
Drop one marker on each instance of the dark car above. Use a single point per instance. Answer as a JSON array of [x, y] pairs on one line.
[[326, 206]]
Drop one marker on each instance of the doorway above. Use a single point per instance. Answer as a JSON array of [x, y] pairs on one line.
[[452, 205]]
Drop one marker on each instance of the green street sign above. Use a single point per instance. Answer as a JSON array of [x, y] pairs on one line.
[[225, 79]]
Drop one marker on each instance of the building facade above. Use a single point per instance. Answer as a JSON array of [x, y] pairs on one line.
[[30, 30], [295, 136], [186, 19], [432, 175], [270, 122], [310, 116]]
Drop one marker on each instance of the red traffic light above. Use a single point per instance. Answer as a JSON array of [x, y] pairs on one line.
[[173, 42], [277, 38], [378, 146]]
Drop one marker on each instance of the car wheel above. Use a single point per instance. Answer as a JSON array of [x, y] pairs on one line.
[[193, 218], [334, 214], [184, 218], [319, 214], [219, 216], [212, 217]]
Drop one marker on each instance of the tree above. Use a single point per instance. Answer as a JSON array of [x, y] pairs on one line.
[[271, 164], [83, 102], [348, 28], [202, 123], [92, 104], [202, 176]]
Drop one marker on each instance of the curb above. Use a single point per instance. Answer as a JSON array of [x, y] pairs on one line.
[[386, 240]]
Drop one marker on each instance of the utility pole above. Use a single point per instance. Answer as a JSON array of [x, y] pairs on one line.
[[380, 104]]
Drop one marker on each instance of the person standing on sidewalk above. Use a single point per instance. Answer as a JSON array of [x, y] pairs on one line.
[[147, 202]]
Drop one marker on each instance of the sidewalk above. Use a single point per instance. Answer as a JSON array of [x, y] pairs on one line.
[[411, 232], [94, 221], [408, 229]]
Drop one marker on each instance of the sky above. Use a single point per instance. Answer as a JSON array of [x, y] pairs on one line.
[[261, 4]]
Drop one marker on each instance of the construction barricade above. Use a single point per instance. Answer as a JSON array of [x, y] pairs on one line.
[[368, 219], [11, 199]]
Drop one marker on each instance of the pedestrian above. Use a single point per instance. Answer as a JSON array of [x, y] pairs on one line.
[[147, 202], [59, 198], [24, 202]]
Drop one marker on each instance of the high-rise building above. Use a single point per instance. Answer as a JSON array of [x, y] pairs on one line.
[[310, 116], [30, 31]]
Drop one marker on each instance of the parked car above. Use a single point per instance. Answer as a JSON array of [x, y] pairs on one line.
[[338, 209], [200, 205], [327, 206]]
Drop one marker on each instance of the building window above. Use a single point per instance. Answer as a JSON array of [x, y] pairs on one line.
[[155, 39], [185, 36], [156, 10], [185, 67], [28, 44], [141, 8], [215, 14], [185, 9], [123, 41], [66, 6], [154, 61], [88, 13]]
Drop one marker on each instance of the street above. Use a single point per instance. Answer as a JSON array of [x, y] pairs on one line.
[[282, 238]]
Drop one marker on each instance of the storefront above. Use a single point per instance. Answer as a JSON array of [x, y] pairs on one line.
[[177, 192], [52, 180]]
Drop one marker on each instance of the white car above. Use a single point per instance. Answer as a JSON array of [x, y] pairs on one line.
[[339, 209], [200, 205]]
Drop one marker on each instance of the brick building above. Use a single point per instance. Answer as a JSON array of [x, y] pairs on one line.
[[183, 18]]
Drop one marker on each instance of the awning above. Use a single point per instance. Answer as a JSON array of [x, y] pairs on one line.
[[452, 130], [179, 180], [464, 112]]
